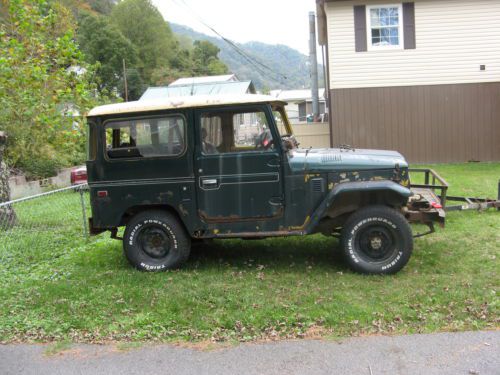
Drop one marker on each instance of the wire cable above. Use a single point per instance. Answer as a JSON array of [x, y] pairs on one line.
[[250, 59]]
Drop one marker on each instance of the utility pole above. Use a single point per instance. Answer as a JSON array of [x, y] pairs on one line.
[[125, 80], [313, 60]]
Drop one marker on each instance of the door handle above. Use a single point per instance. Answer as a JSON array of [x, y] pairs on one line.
[[274, 163], [210, 182]]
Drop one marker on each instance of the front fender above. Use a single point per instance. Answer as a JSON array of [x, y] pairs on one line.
[[402, 193]]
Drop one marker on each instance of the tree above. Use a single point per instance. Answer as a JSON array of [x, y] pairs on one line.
[[44, 82], [181, 66], [216, 67], [102, 42], [204, 51], [200, 60], [135, 85], [141, 23], [7, 214], [3, 11], [205, 59], [102, 6]]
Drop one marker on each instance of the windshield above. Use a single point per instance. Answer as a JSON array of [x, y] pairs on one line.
[[282, 122], [285, 130]]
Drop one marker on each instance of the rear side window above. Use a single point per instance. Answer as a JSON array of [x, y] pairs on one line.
[[143, 138]]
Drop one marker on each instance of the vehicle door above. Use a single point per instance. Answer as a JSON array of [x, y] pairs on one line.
[[238, 164]]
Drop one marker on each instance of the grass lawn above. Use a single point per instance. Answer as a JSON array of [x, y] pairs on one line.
[[61, 288]]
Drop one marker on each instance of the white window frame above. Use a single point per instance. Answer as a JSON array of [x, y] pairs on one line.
[[370, 46]]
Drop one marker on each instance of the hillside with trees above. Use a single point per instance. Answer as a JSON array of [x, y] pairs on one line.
[[288, 68], [134, 32]]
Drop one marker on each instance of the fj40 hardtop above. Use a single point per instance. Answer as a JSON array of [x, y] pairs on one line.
[[180, 171]]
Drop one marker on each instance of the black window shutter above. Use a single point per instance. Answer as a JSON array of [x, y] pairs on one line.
[[360, 28], [409, 25]]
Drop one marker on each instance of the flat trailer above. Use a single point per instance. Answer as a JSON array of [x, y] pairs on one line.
[[430, 200]]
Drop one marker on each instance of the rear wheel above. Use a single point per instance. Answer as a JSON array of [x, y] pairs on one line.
[[155, 241], [377, 240]]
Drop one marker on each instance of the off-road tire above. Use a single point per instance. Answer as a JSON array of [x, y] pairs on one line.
[[156, 241], [377, 240]]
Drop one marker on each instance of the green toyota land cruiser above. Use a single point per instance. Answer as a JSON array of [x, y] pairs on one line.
[[178, 171]]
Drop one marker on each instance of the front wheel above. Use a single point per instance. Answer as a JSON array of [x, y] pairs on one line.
[[155, 241], [377, 240]]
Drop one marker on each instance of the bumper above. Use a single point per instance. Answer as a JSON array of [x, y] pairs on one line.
[[93, 231]]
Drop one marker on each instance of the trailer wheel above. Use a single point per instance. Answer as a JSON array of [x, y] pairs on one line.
[[377, 240], [155, 241]]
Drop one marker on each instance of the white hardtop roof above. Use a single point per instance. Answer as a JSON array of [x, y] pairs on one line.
[[180, 102], [296, 95], [207, 79]]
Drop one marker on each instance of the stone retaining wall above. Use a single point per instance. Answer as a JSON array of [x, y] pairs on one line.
[[20, 188]]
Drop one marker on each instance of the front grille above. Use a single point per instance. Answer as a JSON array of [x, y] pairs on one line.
[[318, 185]]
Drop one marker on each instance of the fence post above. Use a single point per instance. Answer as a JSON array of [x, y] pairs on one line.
[[84, 211]]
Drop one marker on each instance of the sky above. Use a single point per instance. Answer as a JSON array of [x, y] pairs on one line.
[[268, 21]]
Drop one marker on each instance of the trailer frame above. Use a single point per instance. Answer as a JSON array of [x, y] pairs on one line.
[[430, 201]]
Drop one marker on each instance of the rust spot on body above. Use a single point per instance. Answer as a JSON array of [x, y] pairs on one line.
[[183, 210], [308, 218]]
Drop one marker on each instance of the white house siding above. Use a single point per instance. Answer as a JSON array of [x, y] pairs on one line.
[[454, 37]]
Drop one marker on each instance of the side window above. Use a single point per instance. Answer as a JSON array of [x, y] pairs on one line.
[[150, 137], [211, 134], [235, 131]]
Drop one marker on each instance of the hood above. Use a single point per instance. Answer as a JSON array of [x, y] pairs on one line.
[[335, 159]]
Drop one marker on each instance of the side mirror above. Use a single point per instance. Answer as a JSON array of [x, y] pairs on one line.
[[289, 143]]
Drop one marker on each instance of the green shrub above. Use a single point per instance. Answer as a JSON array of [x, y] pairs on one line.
[[37, 168]]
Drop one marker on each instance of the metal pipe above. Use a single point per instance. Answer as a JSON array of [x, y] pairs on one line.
[[84, 213], [82, 186], [313, 60]]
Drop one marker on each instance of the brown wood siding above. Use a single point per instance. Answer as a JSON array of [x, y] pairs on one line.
[[441, 123]]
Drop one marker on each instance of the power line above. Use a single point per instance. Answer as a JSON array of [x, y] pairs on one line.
[[230, 42], [238, 50], [252, 60]]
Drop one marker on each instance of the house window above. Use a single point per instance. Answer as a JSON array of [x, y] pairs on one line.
[[385, 26]]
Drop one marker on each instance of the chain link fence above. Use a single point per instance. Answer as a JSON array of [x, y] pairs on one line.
[[53, 220]]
